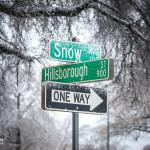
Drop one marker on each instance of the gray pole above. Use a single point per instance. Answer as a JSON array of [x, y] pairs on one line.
[[108, 127], [75, 131], [75, 123]]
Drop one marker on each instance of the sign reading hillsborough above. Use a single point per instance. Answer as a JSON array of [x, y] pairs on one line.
[[80, 72]]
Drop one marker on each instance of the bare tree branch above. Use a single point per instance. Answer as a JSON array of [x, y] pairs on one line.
[[140, 128], [10, 51], [108, 7], [122, 22], [46, 11], [141, 12]]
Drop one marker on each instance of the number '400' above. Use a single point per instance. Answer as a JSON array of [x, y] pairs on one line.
[[101, 73]]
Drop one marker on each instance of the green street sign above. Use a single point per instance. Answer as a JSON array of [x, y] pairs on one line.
[[73, 51], [102, 69]]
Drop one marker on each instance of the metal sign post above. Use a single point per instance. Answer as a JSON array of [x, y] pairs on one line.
[[57, 95], [108, 128], [75, 131], [74, 98]]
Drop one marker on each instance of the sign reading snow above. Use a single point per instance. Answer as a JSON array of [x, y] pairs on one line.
[[73, 51], [70, 97]]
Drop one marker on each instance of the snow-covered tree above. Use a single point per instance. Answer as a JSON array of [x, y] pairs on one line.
[[120, 27]]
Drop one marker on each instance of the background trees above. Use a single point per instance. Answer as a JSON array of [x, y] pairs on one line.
[[120, 27]]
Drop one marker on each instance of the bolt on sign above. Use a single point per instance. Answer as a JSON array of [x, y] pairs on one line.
[[71, 97], [101, 69], [73, 51]]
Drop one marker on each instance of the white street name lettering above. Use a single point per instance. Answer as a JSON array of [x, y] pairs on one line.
[[67, 53], [66, 73]]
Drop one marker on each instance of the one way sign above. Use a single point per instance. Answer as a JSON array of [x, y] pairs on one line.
[[74, 98]]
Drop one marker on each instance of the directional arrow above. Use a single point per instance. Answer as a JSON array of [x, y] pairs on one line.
[[70, 97], [92, 99], [95, 100]]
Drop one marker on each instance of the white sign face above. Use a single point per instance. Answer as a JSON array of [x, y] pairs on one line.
[[70, 97]]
